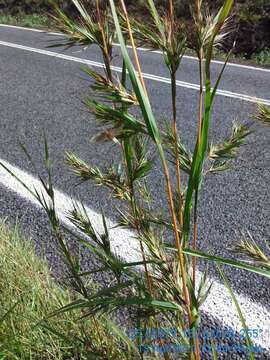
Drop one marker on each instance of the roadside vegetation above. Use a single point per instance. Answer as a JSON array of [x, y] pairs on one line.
[[250, 19], [47, 23], [29, 294], [261, 58], [162, 289], [37, 21]]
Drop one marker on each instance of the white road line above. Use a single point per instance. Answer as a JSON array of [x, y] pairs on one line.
[[218, 305], [31, 29], [184, 84], [64, 204], [193, 58]]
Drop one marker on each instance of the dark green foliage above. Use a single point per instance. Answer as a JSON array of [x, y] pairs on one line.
[[17, 7], [28, 295]]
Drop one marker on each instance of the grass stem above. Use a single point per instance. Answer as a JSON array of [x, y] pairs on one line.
[[135, 53], [104, 49]]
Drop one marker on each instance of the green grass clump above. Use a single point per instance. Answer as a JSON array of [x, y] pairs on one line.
[[28, 295], [262, 58], [33, 20]]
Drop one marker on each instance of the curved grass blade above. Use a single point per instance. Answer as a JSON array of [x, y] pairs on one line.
[[8, 312], [137, 86], [214, 350], [238, 309], [156, 17], [218, 259]]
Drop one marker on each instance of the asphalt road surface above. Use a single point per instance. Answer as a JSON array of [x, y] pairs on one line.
[[41, 91]]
